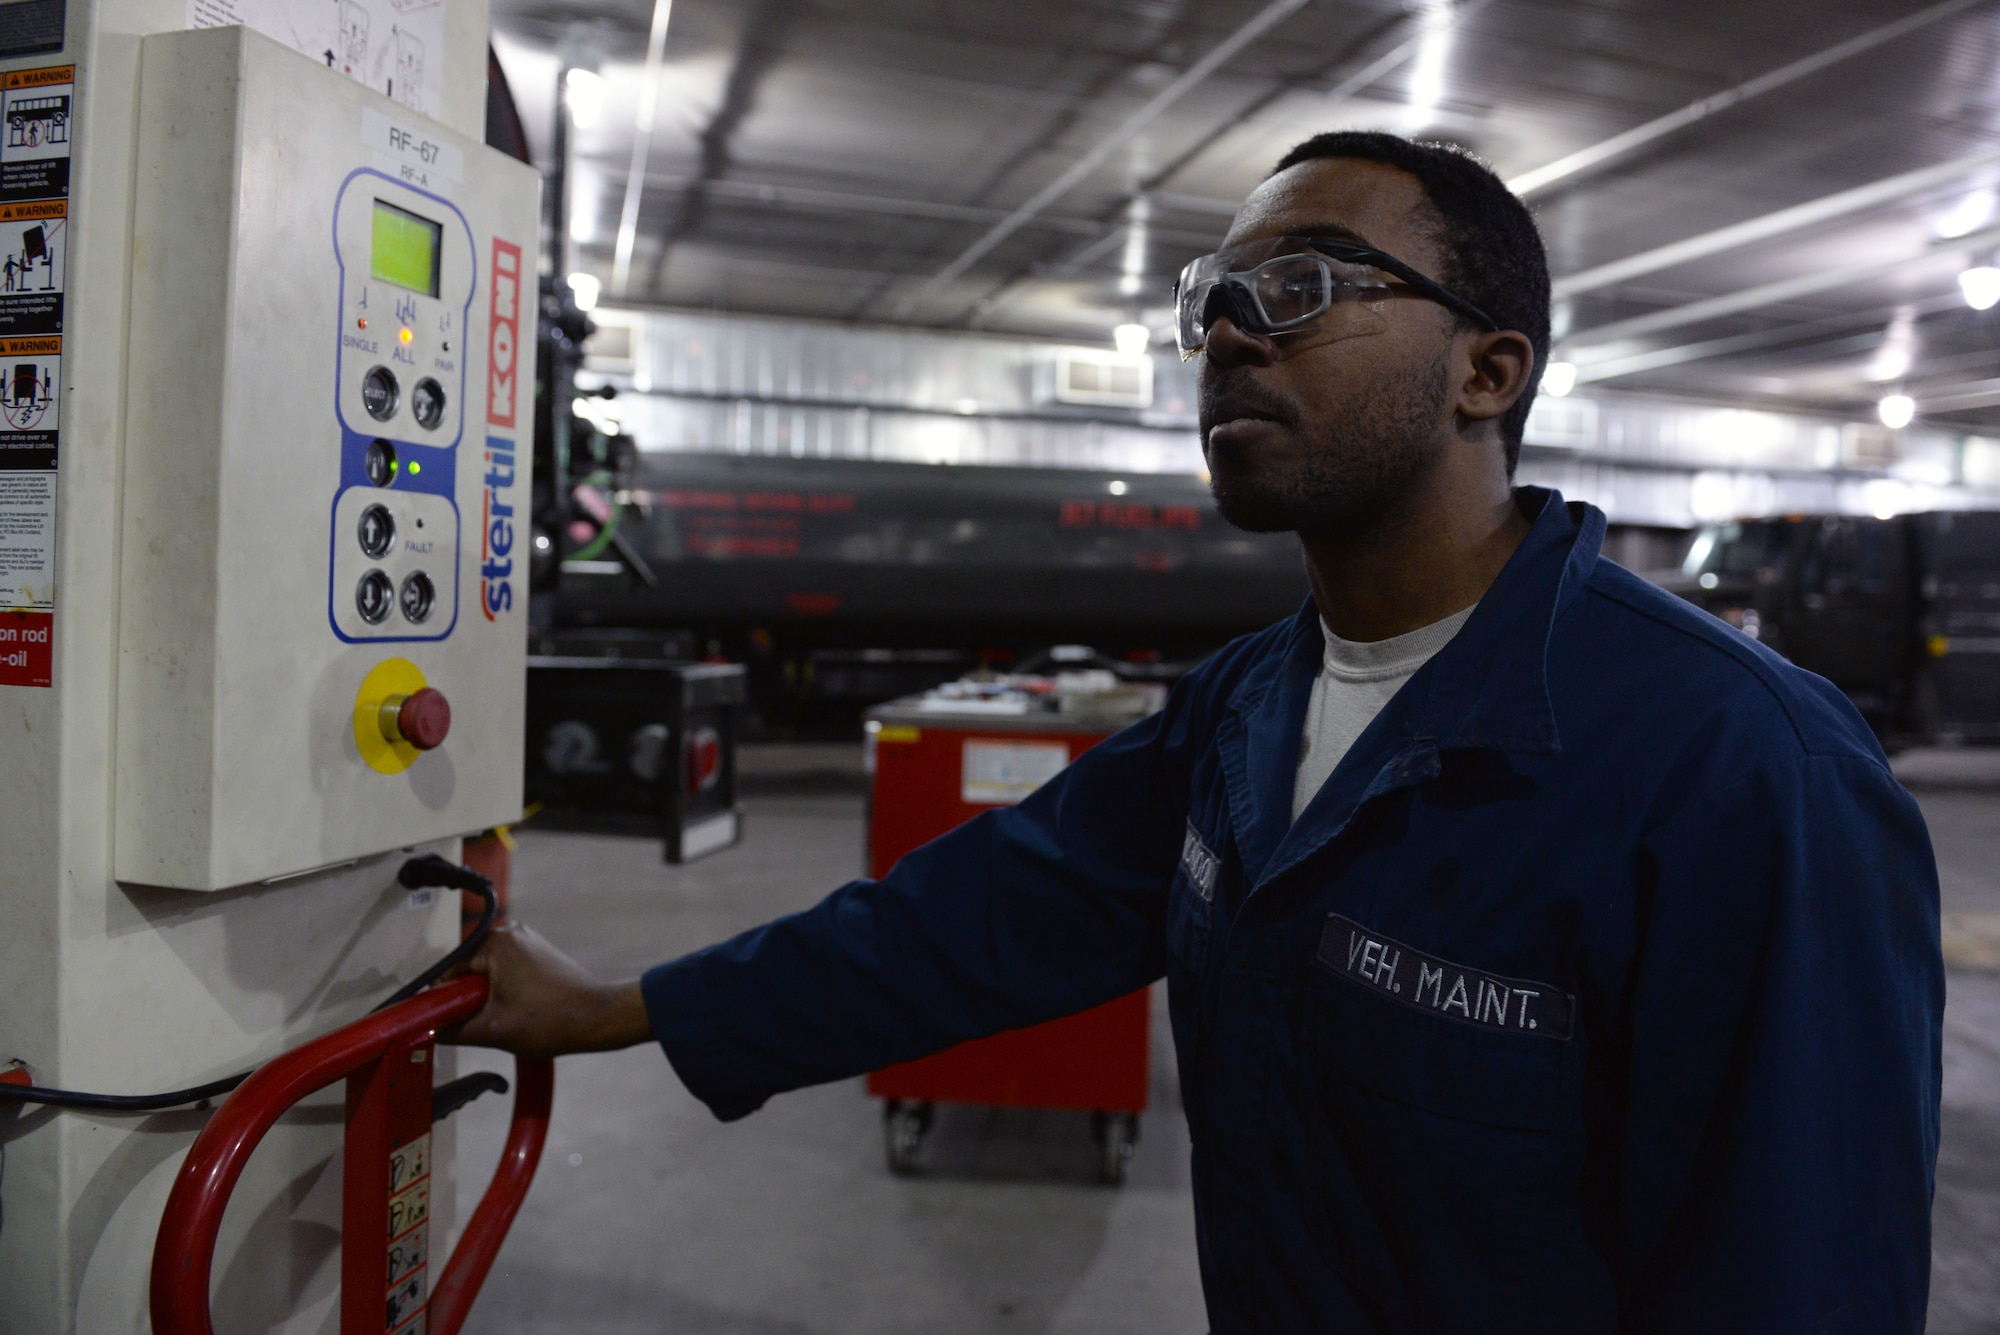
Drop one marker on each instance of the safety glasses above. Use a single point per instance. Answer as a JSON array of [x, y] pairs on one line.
[[1279, 284]]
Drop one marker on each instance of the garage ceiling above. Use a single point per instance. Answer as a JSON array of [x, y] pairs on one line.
[[1046, 166]]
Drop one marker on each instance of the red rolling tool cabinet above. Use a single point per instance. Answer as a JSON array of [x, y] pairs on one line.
[[934, 768]]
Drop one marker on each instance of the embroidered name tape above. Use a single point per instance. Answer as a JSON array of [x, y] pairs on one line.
[[1200, 865], [1427, 983]]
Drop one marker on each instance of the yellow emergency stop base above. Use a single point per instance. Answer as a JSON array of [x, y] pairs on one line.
[[391, 677]]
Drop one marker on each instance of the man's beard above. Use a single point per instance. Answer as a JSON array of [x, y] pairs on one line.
[[1352, 475]]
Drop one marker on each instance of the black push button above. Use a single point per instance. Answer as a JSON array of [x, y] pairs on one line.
[[380, 462], [427, 403], [380, 393], [418, 596], [377, 531], [373, 597]]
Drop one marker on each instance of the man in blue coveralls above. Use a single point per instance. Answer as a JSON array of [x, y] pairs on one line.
[[1543, 954]]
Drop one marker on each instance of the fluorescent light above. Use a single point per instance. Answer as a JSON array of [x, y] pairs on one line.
[[1981, 287], [1897, 411], [1558, 379], [1132, 264], [585, 287], [1132, 339], [1892, 361], [1968, 215], [1117, 488], [1427, 71], [584, 92]]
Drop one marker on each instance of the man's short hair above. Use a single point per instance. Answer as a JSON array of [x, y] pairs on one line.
[[1493, 252]]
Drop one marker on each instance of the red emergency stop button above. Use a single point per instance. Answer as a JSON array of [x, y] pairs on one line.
[[424, 718], [421, 718]]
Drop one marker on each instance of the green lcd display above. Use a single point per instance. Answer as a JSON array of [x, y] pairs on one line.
[[405, 249]]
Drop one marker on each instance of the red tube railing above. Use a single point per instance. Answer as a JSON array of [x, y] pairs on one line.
[[184, 1252]]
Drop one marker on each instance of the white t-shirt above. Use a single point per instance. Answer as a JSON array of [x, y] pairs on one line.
[[1355, 680]]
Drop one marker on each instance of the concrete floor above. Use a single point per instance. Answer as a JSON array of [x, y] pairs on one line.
[[649, 1216]]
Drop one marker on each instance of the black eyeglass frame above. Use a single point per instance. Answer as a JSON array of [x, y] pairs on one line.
[[1347, 252]]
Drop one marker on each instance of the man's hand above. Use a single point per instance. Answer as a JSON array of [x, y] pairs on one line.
[[542, 1004]]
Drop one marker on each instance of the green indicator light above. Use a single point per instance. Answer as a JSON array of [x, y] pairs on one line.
[[415, 468]]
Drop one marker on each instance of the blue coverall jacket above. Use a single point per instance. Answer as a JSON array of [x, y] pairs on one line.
[[1598, 990]]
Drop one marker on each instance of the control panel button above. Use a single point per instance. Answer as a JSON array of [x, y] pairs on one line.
[[421, 718], [377, 531], [427, 403], [373, 597], [418, 596], [380, 393], [379, 462]]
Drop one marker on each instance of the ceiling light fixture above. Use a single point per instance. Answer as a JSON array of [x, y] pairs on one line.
[[1427, 71], [585, 287], [1981, 286], [584, 91], [1897, 411], [1558, 379], [1132, 339], [1966, 216]]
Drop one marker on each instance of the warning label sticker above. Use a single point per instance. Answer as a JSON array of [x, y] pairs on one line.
[[409, 1233], [37, 110], [27, 654], [34, 242], [35, 140], [393, 46], [30, 395], [27, 578], [27, 542]]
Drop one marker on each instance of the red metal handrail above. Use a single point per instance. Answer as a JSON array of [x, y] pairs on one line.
[[184, 1251]]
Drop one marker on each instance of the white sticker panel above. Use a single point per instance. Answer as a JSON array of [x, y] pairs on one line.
[[1002, 773], [393, 46], [408, 1163], [408, 1210], [28, 541]]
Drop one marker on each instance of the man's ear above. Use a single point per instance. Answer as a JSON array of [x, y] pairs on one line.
[[1502, 368]]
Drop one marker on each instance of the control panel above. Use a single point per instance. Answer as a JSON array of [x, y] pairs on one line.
[[407, 266], [322, 617]]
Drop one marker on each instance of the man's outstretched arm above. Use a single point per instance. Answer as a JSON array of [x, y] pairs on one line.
[[1021, 915]]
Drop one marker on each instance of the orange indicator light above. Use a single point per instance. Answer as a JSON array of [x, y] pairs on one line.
[[406, 336], [361, 323]]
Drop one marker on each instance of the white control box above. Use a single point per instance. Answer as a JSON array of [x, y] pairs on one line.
[[329, 426]]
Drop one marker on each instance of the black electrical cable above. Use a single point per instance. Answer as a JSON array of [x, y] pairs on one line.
[[417, 873]]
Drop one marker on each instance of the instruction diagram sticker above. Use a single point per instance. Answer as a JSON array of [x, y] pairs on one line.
[[393, 46], [35, 133], [30, 394], [996, 773], [34, 243], [27, 578]]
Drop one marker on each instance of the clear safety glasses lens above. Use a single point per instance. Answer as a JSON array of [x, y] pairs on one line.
[[1280, 294]]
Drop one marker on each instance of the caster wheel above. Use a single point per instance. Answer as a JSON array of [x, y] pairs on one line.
[[1117, 1135], [903, 1128]]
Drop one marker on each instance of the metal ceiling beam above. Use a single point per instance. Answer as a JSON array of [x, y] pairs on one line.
[[1771, 294], [759, 47], [642, 145], [1264, 20], [809, 199], [1586, 160], [1769, 225], [1343, 88], [1961, 398], [1659, 359]]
